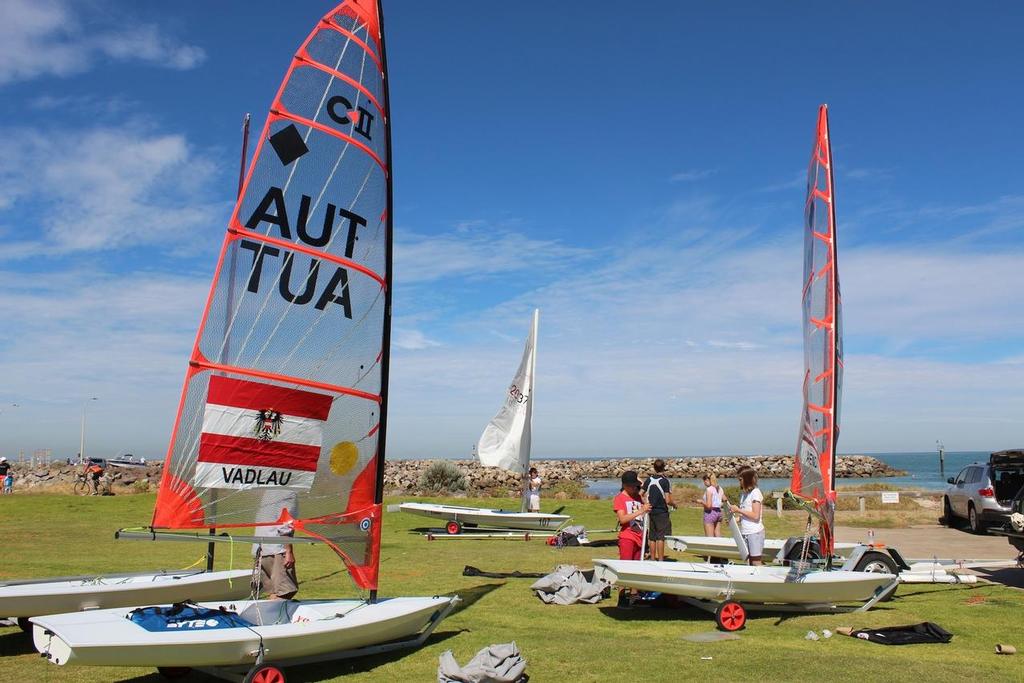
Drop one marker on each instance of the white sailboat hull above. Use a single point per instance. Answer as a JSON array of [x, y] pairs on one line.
[[56, 596], [726, 548], [291, 630], [743, 583], [487, 518]]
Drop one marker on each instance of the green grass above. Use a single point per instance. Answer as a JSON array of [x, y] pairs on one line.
[[50, 535]]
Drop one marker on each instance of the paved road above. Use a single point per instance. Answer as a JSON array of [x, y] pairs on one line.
[[923, 542]]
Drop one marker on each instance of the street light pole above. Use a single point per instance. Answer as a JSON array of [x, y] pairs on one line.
[[81, 443]]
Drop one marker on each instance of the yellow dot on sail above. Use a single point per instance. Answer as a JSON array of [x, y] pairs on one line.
[[344, 457]]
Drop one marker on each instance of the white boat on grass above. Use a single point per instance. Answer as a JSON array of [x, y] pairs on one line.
[[285, 630], [461, 518], [505, 443], [725, 548], [868, 574], [282, 420], [34, 598], [743, 583]]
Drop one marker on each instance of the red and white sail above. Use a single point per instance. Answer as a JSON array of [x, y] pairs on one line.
[[285, 397], [814, 466]]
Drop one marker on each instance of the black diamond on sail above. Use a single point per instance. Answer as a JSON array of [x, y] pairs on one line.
[[288, 144]]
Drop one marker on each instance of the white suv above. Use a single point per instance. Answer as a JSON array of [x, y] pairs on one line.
[[982, 492]]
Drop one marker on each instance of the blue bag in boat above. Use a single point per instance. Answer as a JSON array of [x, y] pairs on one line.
[[183, 617]]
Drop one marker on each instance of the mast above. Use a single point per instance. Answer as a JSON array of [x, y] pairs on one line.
[[385, 361], [211, 546], [834, 306]]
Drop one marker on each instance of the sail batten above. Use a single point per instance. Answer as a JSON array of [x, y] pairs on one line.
[[814, 464], [289, 423]]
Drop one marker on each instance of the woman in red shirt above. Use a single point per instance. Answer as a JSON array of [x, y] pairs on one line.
[[630, 510]]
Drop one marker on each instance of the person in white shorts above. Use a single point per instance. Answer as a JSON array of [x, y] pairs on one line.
[[532, 492], [749, 511]]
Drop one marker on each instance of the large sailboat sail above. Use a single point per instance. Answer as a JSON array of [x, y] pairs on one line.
[[505, 441], [282, 415], [814, 466]]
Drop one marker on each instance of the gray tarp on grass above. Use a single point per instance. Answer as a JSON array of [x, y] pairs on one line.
[[568, 585], [493, 664]]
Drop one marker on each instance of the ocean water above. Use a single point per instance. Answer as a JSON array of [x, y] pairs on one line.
[[922, 473]]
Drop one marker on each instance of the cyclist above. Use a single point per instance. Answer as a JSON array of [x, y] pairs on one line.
[[93, 472]]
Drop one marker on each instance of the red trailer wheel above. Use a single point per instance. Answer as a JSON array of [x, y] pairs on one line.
[[265, 673], [453, 527], [731, 616]]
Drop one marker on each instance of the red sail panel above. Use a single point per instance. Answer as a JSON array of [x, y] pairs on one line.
[[281, 414], [814, 464]]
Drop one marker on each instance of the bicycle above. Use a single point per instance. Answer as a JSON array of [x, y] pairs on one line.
[[83, 486]]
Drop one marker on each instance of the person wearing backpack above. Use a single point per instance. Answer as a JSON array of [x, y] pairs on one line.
[[657, 490]]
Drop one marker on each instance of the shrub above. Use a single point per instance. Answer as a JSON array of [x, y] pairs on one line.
[[443, 477], [571, 488], [140, 486]]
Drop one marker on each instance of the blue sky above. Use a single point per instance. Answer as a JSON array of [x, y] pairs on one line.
[[636, 172]]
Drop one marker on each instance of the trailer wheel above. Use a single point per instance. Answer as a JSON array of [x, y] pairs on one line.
[[813, 552], [453, 527], [874, 561], [173, 672], [731, 616], [264, 673]]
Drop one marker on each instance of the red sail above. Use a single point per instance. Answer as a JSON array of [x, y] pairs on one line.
[[814, 464], [283, 410]]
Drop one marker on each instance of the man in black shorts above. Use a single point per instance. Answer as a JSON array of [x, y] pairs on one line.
[[657, 490]]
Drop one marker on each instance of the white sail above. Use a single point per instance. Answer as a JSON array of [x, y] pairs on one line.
[[505, 442]]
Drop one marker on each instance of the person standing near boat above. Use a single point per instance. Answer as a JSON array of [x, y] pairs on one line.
[[6, 476], [532, 491], [749, 510], [713, 496], [657, 489], [277, 576], [630, 509]]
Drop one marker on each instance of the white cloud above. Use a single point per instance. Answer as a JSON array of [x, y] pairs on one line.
[[102, 188], [693, 174], [411, 340], [796, 182], [620, 370], [48, 38], [84, 332], [476, 250]]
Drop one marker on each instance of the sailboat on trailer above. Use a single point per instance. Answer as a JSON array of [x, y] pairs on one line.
[[813, 482], [505, 443], [282, 421]]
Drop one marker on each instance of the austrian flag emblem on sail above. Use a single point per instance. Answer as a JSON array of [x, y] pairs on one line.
[[259, 435]]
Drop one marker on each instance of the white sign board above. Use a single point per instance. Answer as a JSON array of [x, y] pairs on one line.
[[889, 497]]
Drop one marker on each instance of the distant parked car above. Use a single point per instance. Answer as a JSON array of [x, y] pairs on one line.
[[982, 493]]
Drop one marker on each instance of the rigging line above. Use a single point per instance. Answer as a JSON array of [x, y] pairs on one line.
[[191, 448]]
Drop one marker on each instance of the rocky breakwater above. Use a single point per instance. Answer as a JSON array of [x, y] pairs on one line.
[[405, 476], [61, 478]]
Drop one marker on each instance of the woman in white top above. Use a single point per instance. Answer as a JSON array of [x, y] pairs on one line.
[[533, 491], [749, 510], [712, 506]]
